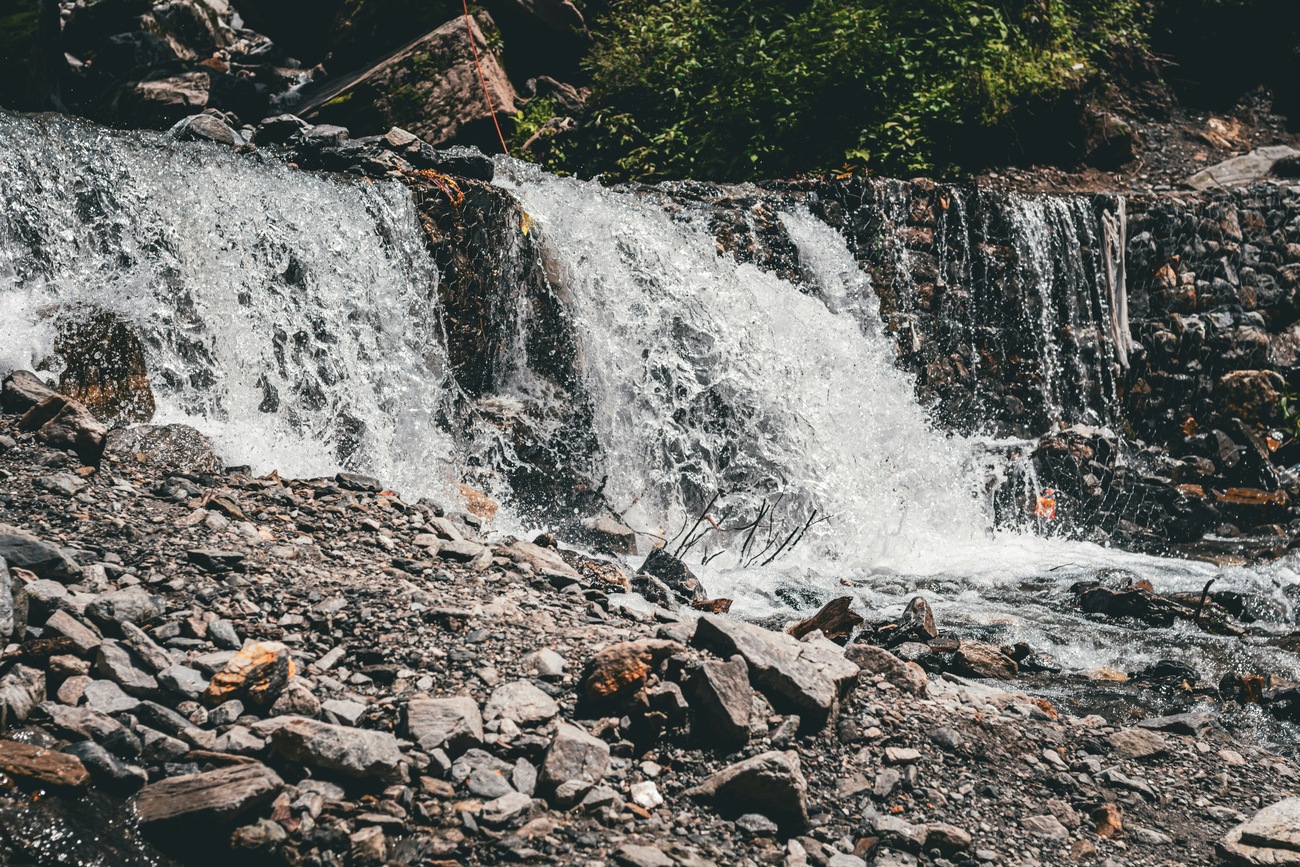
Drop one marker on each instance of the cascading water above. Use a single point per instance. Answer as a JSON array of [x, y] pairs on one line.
[[292, 317], [709, 377], [295, 318]]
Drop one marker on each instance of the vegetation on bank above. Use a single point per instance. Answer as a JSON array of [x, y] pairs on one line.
[[746, 89], [740, 89]]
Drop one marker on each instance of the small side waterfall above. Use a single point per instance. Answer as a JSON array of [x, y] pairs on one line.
[[292, 317]]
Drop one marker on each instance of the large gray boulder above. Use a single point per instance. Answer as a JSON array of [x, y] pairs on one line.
[[1270, 837], [23, 550], [453, 724], [806, 678], [343, 750], [771, 784]]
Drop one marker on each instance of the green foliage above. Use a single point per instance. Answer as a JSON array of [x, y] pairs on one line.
[[735, 89]]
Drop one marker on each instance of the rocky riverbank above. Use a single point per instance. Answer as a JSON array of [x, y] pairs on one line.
[[318, 672]]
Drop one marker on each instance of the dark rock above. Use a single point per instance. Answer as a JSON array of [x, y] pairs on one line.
[[64, 423], [216, 562], [23, 550], [771, 784], [108, 771], [721, 702], [206, 127], [836, 620], [666, 580]]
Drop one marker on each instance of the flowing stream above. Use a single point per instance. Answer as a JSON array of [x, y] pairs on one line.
[[295, 319]]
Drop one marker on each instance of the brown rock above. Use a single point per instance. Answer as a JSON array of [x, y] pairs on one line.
[[1108, 820], [256, 674], [620, 670], [977, 659], [47, 767], [836, 620], [66, 424], [1250, 395], [221, 796], [103, 364]]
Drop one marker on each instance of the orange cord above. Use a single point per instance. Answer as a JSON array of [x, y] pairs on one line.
[[469, 34]]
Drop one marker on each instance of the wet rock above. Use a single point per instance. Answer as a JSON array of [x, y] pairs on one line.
[[836, 620], [256, 675], [350, 752], [220, 796], [63, 423], [521, 703], [876, 660], [21, 549], [977, 659], [611, 536], [104, 364], [108, 771], [279, 129], [1270, 837], [42, 766], [205, 127], [173, 448], [801, 677], [454, 724], [916, 623], [572, 756], [358, 482], [620, 670], [721, 702], [666, 580], [771, 784]]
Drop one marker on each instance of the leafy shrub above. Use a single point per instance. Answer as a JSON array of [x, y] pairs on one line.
[[736, 89]]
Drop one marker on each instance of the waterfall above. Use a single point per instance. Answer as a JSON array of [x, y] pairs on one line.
[[711, 377], [292, 317]]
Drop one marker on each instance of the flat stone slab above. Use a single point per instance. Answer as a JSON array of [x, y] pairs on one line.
[[1270, 837], [222, 795], [48, 767], [1245, 169]]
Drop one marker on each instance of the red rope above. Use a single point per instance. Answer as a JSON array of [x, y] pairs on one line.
[[469, 33]]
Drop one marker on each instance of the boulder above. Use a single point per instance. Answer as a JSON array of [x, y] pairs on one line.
[[907, 676], [668, 581], [256, 675], [836, 620], [430, 87], [205, 127], [22, 390], [721, 702], [23, 550], [161, 450], [771, 784], [63, 423], [1245, 169], [977, 659], [572, 756], [1135, 743], [103, 362], [1250, 395], [1270, 837], [453, 724], [130, 605], [806, 678], [343, 750], [521, 703], [620, 670]]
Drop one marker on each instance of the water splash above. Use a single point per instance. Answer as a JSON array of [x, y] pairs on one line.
[[708, 376], [292, 317]]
